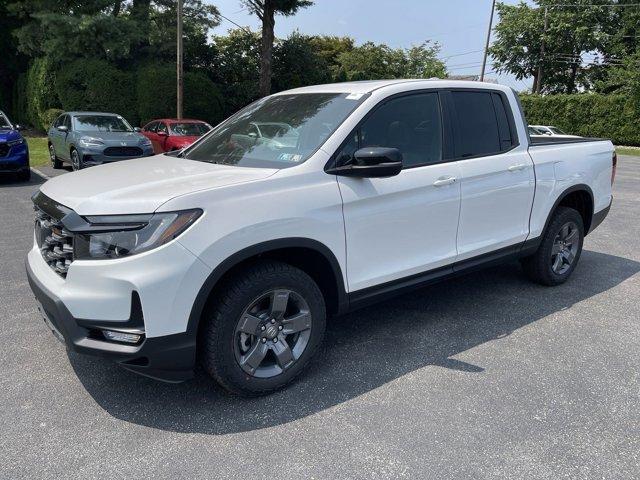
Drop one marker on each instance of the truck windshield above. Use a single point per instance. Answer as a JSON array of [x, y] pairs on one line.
[[101, 123], [276, 132]]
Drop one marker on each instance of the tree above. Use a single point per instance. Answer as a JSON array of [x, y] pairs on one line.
[[375, 62], [296, 63], [266, 10], [572, 31]]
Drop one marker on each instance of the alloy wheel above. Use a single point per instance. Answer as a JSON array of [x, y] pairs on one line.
[[272, 333], [75, 160], [565, 248]]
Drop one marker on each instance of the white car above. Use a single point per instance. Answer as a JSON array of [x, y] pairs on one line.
[[551, 131], [233, 253]]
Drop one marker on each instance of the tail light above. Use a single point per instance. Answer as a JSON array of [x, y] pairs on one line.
[[614, 166]]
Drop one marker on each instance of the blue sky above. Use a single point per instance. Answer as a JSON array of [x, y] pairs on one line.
[[459, 26]]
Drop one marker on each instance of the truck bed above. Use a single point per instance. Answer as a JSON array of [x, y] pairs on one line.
[[550, 140]]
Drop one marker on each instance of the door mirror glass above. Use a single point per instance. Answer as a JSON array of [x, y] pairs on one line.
[[372, 162]]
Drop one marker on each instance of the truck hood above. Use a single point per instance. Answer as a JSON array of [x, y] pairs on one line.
[[141, 185]]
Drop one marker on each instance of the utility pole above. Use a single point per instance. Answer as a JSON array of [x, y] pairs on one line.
[[486, 46], [179, 69], [538, 86]]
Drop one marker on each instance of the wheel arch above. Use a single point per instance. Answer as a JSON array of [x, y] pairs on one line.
[[579, 197], [311, 256]]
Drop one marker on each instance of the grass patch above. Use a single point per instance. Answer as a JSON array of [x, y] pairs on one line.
[[38, 151], [628, 151]]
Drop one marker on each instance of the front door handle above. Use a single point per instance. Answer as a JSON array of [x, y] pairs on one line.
[[442, 181], [519, 166]]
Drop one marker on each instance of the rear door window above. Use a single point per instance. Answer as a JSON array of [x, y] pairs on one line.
[[476, 128]]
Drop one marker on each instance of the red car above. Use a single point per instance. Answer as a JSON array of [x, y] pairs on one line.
[[168, 134]]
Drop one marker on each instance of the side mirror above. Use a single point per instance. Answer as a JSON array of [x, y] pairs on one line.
[[372, 162], [137, 129], [63, 128], [18, 126], [163, 134]]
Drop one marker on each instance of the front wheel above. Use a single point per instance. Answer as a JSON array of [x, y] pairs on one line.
[[559, 251], [266, 325], [76, 161]]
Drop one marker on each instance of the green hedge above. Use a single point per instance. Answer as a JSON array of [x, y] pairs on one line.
[[156, 92], [139, 94], [34, 94], [591, 115], [96, 85]]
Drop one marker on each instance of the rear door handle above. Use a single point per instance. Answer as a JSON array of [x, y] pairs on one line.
[[442, 181], [519, 166]]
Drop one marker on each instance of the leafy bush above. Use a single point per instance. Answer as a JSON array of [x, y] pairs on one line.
[[156, 90], [34, 94], [591, 115], [49, 116], [97, 85]]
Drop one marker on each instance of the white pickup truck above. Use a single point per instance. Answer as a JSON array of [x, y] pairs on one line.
[[234, 251]]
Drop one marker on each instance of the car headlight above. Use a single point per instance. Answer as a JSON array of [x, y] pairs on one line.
[[91, 142], [116, 236], [13, 143]]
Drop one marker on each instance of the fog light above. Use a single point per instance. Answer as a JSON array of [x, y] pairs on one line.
[[121, 336]]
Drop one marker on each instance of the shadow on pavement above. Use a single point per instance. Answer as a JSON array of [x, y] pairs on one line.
[[363, 350], [10, 180]]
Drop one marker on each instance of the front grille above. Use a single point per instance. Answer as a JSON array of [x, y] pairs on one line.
[[4, 149], [123, 151], [54, 241]]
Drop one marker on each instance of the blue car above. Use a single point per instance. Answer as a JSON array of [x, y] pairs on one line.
[[14, 152], [84, 139]]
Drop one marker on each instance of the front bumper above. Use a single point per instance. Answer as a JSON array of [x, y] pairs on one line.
[[16, 161], [151, 292], [95, 156]]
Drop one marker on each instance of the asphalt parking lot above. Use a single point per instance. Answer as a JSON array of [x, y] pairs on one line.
[[486, 376]]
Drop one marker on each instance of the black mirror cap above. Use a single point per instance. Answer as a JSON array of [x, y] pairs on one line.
[[372, 162], [137, 129], [369, 156], [18, 127]]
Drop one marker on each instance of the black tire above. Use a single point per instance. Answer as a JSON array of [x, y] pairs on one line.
[[55, 162], [220, 338], [76, 163], [541, 267], [25, 175]]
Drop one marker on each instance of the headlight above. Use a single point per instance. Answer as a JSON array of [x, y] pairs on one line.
[[119, 236], [91, 142], [13, 143]]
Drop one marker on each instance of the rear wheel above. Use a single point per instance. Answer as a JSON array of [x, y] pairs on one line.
[[55, 163], [560, 250], [263, 330]]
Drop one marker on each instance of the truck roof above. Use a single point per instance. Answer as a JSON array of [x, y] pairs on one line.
[[368, 86]]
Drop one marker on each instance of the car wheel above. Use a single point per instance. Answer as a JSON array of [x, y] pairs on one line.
[[55, 163], [560, 249], [76, 161], [265, 326]]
